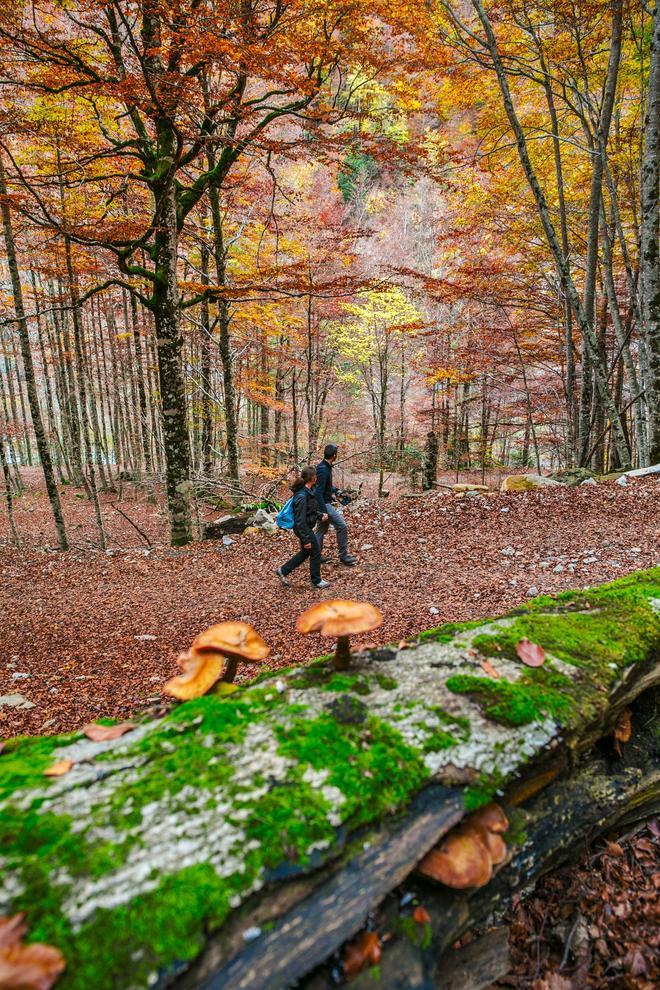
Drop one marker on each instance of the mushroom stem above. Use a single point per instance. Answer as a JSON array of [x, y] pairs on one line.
[[230, 670], [342, 658]]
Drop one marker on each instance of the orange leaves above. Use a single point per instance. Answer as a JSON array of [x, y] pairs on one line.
[[488, 668], [103, 733], [421, 915], [622, 730], [364, 951], [26, 967], [59, 768], [530, 653]]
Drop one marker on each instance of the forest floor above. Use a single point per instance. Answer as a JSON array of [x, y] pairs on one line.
[[86, 634]]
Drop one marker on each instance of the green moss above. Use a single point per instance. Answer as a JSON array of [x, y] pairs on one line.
[[533, 697], [448, 631], [456, 721], [386, 683], [438, 739], [348, 682], [483, 791], [24, 759]]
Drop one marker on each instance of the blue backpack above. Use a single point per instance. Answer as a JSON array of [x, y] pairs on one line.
[[284, 517]]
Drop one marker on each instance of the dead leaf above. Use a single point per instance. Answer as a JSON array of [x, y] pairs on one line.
[[26, 967], [622, 730], [58, 770], [103, 733], [421, 915], [488, 668], [530, 653], [614, 849], [12, 930], [635, 963], [364, 951]]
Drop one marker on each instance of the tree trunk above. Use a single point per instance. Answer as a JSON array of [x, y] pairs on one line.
[[650, 235], [28, 369], [165, 307]]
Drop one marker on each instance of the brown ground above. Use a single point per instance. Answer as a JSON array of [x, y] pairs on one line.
[[71, 638]]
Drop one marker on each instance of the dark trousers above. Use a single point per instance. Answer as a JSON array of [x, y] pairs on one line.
[[314, 560]]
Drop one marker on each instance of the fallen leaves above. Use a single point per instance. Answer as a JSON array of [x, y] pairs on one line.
[[59, 768], [614, 894], [35, 966], [530, 653], [488, 668], [622, 731], [364, 951], [104, 733]]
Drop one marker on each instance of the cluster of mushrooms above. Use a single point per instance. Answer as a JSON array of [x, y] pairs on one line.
[[467, 855], [211, 663]]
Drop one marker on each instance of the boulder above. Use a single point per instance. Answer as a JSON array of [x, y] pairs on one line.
[[470, 488], [574, 476], [643, 472], [527, 482]]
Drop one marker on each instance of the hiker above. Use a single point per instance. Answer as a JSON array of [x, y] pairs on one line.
[[306, 514], [331, 516]]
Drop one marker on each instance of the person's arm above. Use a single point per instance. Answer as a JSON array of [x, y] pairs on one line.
[[300, 518], [319, 487]]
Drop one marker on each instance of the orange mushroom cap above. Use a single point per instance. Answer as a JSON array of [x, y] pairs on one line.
[[461, 861], [200, 672], [491, 817], [232, 639], [493, 842], [340, 618]]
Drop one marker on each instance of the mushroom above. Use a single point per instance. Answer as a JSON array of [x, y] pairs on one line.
[[491, 817], [235, 641], [200, 672], [340, 620], [215, 655], [461, 861]]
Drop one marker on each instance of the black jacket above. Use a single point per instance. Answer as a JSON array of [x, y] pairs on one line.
[[306, 512], [324, 489]]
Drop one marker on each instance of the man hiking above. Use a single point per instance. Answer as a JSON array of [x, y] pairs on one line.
[[325, 493], [306, 514]]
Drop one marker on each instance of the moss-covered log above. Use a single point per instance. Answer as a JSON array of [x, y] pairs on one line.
[[158, 855]]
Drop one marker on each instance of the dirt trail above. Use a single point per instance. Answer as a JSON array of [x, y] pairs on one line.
[[85, 634]]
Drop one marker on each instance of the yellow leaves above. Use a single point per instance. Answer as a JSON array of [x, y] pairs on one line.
[[59, 768]]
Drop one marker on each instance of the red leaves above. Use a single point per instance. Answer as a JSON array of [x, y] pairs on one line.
[[26, 967], [421, 915], [364, 951], [103, 733], [530, 653]]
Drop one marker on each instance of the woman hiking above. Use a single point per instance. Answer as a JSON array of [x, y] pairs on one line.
[[306, 514]]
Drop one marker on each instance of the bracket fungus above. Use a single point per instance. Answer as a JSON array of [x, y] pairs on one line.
[[340, 620], [214, 656], [465, 857]]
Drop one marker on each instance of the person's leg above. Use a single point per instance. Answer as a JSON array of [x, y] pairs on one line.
[[295, 561], [336, 519], [321, 530], [315, 561]]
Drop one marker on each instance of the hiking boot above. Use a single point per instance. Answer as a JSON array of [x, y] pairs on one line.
[[283, 578], [349, 560], [322, 584]]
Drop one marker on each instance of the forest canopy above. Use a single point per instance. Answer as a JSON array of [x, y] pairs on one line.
[[231, 230]]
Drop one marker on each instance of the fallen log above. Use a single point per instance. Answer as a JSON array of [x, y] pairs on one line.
[[239, 842]]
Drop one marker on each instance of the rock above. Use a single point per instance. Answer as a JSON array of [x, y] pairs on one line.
[[366, 546], [18, 676], [527, 482], [145, 638], [15, 701], [470, 488], [226, 524], [262, 518], [508, 552], [558, 569], [253, 531], [621, 481], [227, 541], [533, 591], [589, 560], [588, 481], [574, 476], [434, 611], [348, 710]]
